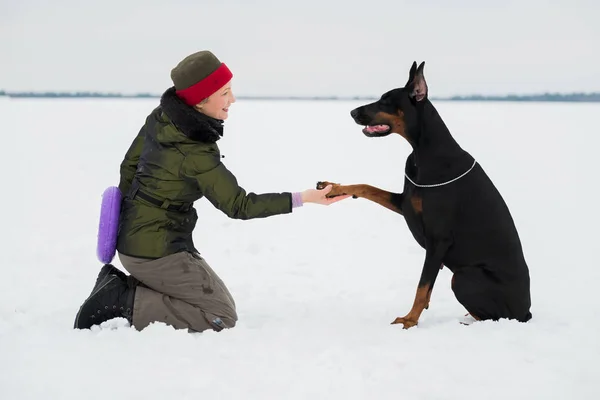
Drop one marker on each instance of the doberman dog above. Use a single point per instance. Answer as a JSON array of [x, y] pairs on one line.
[[451, 207]]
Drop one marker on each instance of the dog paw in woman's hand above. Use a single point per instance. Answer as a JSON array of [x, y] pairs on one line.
[[323, 184], [336, 188]]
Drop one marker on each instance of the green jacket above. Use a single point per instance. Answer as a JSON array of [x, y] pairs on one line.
[[174, 161]]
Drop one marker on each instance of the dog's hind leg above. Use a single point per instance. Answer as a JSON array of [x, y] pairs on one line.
[[433, 259], [391, 201], [487, 299], [476, 294]]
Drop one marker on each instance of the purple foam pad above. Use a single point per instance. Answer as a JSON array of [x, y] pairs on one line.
[[109, 224]]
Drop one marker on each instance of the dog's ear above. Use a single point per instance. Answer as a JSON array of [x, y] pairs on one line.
[[418, 85], [411, 74]]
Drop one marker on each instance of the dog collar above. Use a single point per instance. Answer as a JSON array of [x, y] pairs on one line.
[[444, 183]]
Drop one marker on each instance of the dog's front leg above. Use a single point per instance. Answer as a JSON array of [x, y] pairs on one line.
[[433, 258], [391, 201]]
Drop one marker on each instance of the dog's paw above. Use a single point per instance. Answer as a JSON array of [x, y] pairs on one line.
[[406, 321], [323, 184], [336, 188]]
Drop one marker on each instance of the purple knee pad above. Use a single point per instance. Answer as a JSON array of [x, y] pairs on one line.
[[109, 224]]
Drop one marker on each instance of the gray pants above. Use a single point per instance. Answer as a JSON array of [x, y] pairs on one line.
[[180, 290]]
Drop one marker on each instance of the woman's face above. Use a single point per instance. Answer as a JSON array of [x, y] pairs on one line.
[[217, 104]]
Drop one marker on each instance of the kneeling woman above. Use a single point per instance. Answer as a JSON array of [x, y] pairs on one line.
[[174, 161]]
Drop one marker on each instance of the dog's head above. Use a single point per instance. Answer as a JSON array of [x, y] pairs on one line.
[[396, 110]]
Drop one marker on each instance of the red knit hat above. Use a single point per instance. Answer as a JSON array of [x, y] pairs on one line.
[[198, 76]]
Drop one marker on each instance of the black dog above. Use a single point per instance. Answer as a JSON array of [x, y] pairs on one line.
[[452, 209]]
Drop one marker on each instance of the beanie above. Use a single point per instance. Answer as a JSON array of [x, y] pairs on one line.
[[198, 76]]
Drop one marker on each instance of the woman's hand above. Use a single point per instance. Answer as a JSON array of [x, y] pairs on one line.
[[318, 196]]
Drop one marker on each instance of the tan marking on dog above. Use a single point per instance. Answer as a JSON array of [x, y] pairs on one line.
[[376, 195], [417, 203], [474, 316], [428, 300], [421, 301], [395, 121]]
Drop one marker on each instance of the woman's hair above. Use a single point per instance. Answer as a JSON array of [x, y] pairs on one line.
[[198, 107]]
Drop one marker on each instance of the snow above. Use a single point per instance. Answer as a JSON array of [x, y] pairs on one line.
[[316, 290]]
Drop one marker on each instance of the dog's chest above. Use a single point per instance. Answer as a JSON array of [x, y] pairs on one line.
[[412, 209]]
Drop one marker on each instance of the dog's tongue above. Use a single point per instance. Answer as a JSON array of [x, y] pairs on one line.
[[376, 128]]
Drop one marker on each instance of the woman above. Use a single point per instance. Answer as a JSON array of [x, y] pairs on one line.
[[174, 161]]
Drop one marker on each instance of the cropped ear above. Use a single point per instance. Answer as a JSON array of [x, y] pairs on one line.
[[418, 85], [411, 74]]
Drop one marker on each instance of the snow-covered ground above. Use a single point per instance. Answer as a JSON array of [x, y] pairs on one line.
[[315, 290]]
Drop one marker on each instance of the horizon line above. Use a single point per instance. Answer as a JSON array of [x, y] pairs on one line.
[[571, 96]]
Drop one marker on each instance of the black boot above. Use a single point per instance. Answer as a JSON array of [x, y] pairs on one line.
[[106, 270], [111, 298]]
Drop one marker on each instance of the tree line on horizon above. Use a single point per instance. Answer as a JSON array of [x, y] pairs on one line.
[[569, 97]]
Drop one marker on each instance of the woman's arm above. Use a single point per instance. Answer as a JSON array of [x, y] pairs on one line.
[[221, 188]]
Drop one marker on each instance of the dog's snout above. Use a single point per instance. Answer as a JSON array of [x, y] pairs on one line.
[[354, 113]]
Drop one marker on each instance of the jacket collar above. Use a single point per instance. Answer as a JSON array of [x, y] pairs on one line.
[[193, 124]]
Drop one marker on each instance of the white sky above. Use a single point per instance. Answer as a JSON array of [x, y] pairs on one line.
[[305, 47]]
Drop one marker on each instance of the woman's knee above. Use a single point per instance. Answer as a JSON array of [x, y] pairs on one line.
[[224, 318], [229, 317]]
